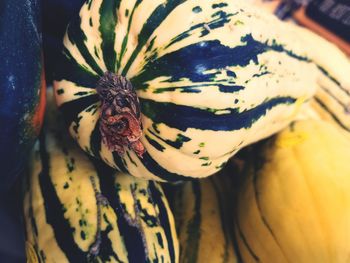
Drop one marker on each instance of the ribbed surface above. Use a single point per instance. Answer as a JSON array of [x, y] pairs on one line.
[[212, 77]]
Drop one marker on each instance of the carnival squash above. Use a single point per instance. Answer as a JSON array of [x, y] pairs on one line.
[[170, 90], [77, 210], [295, 203]]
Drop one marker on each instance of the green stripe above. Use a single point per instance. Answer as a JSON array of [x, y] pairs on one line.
[[330, 77], [193, 228], [334, 97], [152, 23], [69, 69], [126, 37], [78, 38], [95, 141], [334, 117], [53, 209], [257, 161], [224, 219], [108, 22], [246, 244]]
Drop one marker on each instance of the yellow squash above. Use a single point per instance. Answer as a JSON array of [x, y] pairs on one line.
[[295, 203]]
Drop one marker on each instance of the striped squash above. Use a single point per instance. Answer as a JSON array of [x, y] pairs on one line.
[[294, 204], [77, 210], [331, 104], [203, 222], [211, 77]]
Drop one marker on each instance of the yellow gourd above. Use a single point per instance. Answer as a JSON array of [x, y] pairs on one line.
[[295, 203]]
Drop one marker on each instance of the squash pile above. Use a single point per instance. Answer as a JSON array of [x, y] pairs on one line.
[[154, 96], [79, 210]]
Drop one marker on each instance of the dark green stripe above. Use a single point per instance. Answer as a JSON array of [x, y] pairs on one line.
[[107, 254], [108, 23], [180, 140], [159, 171], [246, 244], [119, 162], [191, 248], [95, 141], [71, 109], [158, 200], [131, 160], [183, 117], [154, 143], [152, 23], [78, 37], [68, 69], [334, 117], [193, 61], [126, 37], [27, 184], [334, 97], [131, 235], [220, 19], [63, 231], [326, 73], [257, 163], [223, 218]]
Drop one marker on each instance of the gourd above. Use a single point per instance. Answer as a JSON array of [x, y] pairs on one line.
[[202, 221], [331, 104], [294, 205], [78, 210], [22, 86], [150, 86]]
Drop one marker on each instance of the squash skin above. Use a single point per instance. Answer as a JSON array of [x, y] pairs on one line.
[[22, 85], [331, 102], [197, 87], [332, 105], [294, 205], [202, 219], [62, 210]]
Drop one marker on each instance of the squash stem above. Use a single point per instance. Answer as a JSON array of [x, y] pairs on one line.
[[120, 117]]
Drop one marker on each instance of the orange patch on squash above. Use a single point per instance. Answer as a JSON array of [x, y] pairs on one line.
[[39, 111]]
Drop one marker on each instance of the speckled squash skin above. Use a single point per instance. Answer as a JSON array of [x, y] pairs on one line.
[[211, 76], [80, 210], [294, 204], [22, 85]]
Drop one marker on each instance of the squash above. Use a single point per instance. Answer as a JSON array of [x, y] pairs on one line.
[[202, 221], [295, 203], [77, 210], [331, 104], [22, 86], [147, 86]]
